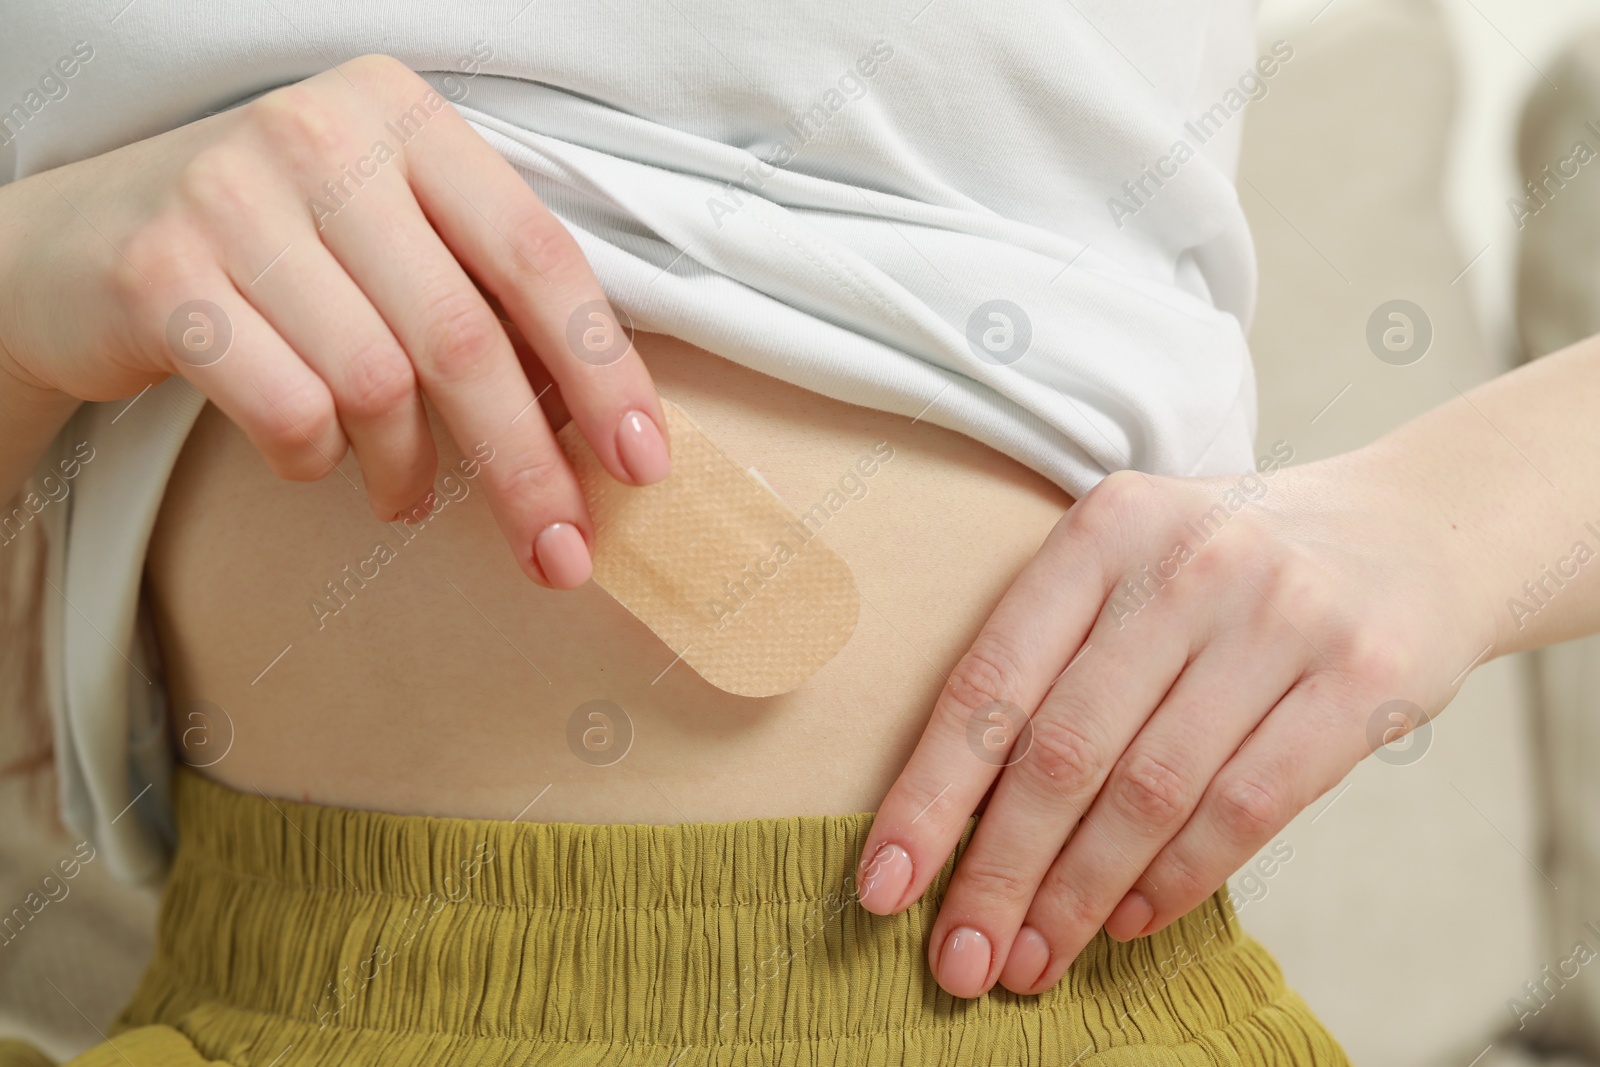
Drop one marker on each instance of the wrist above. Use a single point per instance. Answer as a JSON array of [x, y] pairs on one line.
[[18, 256], [1393, 504], [16, 380], [31, 410], [1447, 509]]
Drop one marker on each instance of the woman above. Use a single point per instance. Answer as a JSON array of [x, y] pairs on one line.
[[397, 841]]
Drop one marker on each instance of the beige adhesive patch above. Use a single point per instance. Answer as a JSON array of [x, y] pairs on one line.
[[717, 566]]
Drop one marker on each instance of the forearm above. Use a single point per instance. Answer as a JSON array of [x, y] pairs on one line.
[[30, 417], [31, 413], [1506, 478]]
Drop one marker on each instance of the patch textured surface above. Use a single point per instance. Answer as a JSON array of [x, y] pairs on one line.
[[717, 566]]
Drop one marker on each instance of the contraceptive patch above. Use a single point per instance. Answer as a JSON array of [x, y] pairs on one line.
[[717, 565]]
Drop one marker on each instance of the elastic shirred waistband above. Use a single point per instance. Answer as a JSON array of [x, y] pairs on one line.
[[355, 937]]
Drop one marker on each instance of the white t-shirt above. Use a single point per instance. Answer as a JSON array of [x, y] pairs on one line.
[[1013, 219]]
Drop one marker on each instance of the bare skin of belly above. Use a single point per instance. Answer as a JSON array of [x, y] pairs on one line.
[[445, 684]]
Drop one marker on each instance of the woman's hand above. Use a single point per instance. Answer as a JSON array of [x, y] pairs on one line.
[[1185, 665], [318, 261]]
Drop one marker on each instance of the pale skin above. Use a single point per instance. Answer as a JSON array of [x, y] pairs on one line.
[[1378, 575], [386, 309], [1382, 574]]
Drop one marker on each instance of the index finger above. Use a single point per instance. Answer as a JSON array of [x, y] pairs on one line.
[[519, 251], [979, 723]]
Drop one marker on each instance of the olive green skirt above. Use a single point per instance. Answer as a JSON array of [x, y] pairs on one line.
[[295, 935]]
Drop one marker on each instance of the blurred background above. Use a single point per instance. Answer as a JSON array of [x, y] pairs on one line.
[[1437, 906], [1442, 906]]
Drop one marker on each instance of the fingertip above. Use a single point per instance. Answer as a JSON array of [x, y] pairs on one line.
[[418, 511], [964, 961], [562, 556], [642, 448], [1027, 961], [305, 465], [884, 879], [1155, 926], [1130, 918]]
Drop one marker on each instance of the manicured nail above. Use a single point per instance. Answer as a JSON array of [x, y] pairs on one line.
[[562, 555], [1027, 960], [1130, 917], [643, 449], [885, 878], [964, 963]]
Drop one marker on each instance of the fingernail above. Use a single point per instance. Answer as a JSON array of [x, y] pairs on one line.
[[562, 555], [1130, 917], [964, 963], [642, 448], [1027, 960], [885, 878]]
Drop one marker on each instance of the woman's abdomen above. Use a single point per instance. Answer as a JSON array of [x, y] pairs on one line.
[[313, 652]]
